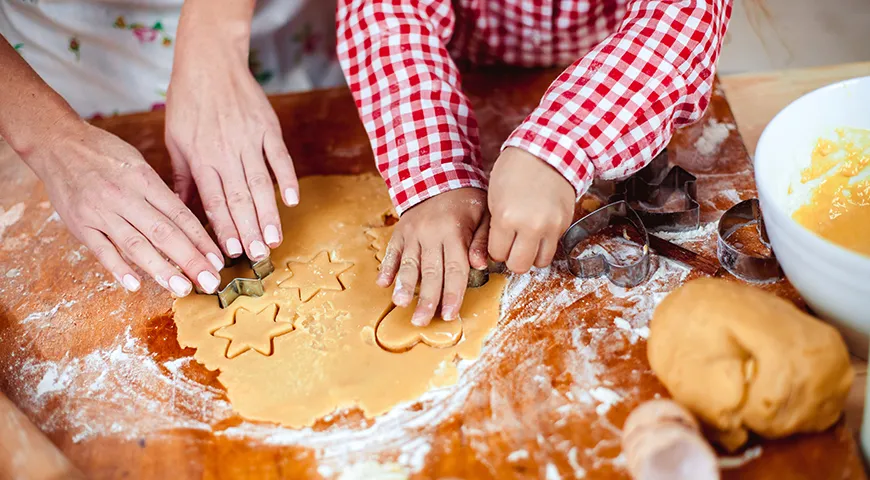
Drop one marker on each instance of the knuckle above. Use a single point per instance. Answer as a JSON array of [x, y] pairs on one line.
[[100, 252], [454, 269], [410, 263], [180, 216], [192, 264], [238, 197], [161, 231], [213, 203], [134, 243], [429, 271], [259, 181]]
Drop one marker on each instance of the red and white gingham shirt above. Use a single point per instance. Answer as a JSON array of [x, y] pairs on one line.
[[644, 68]]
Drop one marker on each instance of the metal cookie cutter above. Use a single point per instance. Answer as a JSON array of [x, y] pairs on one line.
[[625, 275], [249, 287], [478, 278], [649, 190], [751, 267]]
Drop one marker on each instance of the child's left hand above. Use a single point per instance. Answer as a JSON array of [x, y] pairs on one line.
[[531, 205]]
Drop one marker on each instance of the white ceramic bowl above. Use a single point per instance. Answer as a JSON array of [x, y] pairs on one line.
[[834, 281]]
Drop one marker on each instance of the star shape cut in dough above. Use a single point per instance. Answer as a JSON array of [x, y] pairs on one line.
[[251, 330], [380, 239], [319, 273]]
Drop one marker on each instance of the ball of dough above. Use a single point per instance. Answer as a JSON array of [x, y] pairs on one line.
[[743, 359]]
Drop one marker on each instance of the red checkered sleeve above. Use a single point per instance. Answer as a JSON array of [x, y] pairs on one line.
[[612, 111], [421, 127]]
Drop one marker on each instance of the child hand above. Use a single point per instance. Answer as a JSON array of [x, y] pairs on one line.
[[223, 137], [115, 204], [434, 242], [531, 206]]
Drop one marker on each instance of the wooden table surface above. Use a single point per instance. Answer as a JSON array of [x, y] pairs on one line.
[[755, 99], [99, 370]]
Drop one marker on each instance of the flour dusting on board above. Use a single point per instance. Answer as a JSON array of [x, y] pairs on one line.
[[10, 217], [150, 396], [713, 135]]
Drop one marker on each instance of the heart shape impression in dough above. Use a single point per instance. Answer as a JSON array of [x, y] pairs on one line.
[[395, 332]]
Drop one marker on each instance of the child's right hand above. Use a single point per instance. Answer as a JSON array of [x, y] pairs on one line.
[[434, 242]]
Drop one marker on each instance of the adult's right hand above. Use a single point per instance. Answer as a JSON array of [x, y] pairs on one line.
[[119, 207]]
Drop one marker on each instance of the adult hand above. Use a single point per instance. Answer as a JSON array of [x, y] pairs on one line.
[[531, 206], [115, 203], [223, 136], [434, 242]]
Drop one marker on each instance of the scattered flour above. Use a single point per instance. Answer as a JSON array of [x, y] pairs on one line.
[[552, 472], [10, 217], [712, 137], [579, 472], [736, 462], [518, 455], [374, 471], [150, 397], [48, 315], [703, 231], [606, 398], [732, 195], [633, 333]]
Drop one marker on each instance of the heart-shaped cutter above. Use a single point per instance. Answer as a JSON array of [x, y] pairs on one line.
[[625, 275], [754, 268]]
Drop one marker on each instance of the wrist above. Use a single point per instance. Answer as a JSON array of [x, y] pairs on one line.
[[54, 119], [221, 25]]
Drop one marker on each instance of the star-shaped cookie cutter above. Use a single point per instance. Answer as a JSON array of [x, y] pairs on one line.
[[625, 275], [249, 287], [649, 190]]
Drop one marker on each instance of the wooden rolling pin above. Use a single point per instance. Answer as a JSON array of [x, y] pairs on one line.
[[25, 453], [661, 440]]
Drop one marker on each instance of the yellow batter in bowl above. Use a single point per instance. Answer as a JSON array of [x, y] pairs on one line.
[[839, 207]]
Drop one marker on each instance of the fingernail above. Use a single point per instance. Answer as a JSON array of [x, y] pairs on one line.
[[130, 282], [208, 281], [291, 198], [258, 250], [161, 281], [215, 261], [401, 299], [179, 286], [234, 247], [271, 235], [419, 320], [448, 314]]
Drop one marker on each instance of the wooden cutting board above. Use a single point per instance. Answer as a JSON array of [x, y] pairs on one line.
[[99, 370]]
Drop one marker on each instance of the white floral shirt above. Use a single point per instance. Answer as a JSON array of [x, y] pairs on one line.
[[108, 57]]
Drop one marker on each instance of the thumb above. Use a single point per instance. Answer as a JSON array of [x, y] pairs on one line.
[[477, 252]]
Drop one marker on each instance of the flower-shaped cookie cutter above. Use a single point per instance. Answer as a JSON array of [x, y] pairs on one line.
[[625, 275], [248, 287], [750, 267], [649, 192]]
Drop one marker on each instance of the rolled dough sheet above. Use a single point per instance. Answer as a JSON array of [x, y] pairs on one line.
[[324, 286]]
